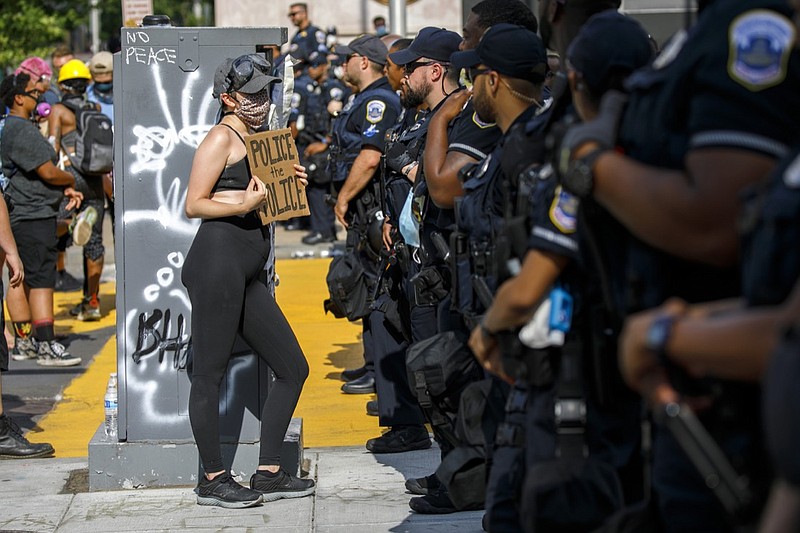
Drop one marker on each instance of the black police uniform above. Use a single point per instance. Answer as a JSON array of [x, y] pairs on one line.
[[737, 63], [466, 134], [309, 112], [363, 122], [770, 271], [311, 39]]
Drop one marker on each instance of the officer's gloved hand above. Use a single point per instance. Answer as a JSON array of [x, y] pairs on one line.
[[601, 131], [398, 157]]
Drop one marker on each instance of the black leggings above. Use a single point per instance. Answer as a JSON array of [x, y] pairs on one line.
[[221, 275]]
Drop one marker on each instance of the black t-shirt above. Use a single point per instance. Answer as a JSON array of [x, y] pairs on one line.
[[470, 135], [23, 151]]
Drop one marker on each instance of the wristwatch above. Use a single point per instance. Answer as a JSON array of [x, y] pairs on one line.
[[658, 335], [579, 179]]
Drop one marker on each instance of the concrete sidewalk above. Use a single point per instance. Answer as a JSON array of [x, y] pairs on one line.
[[357, 492]]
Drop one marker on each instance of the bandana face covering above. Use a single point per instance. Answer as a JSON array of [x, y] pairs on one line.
[[253, 108]]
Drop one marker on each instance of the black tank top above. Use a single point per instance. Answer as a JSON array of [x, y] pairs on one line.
[[235, 177]]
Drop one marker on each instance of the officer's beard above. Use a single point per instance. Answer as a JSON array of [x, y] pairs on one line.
[[412, 97], [483, 107]]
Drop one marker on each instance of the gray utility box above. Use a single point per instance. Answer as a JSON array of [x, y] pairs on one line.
[[163, 110]]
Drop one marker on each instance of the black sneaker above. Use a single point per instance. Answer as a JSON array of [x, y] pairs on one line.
[[224, 491], [423, 485], [438, 502], [66, 282], [281, 485], [13, 445], [401, 439]]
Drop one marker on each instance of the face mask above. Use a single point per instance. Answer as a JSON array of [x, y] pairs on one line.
[[104, 87], [408, 225], [253, 109]]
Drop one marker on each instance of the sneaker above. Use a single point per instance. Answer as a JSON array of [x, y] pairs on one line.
[[13, 445], [66, 282], [83, 225], [281, 485], [24, 349], [423, 485], [90, 310], [75, 311], [53, 353], [438, 502], [224, 491], [401, 439]]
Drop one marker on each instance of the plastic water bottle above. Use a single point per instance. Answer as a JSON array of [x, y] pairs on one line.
[[111, 409]]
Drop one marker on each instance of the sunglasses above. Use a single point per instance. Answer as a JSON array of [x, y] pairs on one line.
[[294, 13], [243, 69], [409, 68], [473, 73], [351, 56], [34, 93]]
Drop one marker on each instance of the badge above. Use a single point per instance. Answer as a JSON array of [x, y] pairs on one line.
[[760, 43], [564, 211], [792, 175], [481, 124], [371, 131], [375, 111]]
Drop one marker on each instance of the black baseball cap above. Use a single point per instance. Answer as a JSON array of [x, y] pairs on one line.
[[509, 49], [433, 43], [608, 41], [367, 45], [245, 74]]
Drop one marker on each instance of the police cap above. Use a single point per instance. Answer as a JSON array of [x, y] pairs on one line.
[[437, 44], [609, 41], [367, 45], [509, 49]]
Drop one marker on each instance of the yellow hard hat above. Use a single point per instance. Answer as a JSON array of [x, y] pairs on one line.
[[74, 69]]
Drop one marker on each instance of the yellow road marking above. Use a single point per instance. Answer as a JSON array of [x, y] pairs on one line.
[[330, 418]]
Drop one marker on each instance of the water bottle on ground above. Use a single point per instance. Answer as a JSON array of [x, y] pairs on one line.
[[111, 406]]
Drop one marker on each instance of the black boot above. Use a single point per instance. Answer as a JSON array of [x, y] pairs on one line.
[[14, 446]]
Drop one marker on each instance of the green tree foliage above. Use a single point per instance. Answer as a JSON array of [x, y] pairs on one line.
[[29, 28]]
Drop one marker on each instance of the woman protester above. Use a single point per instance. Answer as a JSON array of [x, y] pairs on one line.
[[221, 275]]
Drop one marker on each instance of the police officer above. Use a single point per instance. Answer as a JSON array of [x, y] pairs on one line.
[[308, 38], [688, 124], [357, 143], [555, 272], [427, 82], [311, 122]]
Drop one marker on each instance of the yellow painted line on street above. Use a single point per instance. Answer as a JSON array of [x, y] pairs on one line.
[[70, 425], [330, 417]]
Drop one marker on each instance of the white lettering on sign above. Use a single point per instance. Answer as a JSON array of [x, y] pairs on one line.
[[137, 36], [149, 55]]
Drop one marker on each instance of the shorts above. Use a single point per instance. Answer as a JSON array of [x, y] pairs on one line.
[[36, 243]]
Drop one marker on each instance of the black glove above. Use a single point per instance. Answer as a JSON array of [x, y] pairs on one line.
[[602, 129], [398, 157]]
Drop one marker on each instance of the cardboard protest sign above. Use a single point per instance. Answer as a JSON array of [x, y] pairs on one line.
[[272, 156]]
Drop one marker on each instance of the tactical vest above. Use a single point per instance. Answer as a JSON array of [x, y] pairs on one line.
[[347, 144]]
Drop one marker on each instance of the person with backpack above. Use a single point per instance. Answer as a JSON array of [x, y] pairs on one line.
[[35, 188], [82, 134]]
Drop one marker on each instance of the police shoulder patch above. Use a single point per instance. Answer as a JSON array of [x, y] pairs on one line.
[[296, 98], [760, 42], [375, 111], [370, 132], [564, 211], [336, 93], [481, 124], [320, 36]]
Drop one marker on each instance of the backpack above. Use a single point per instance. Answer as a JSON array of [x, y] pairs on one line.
[[94, 144], [350, 291]]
